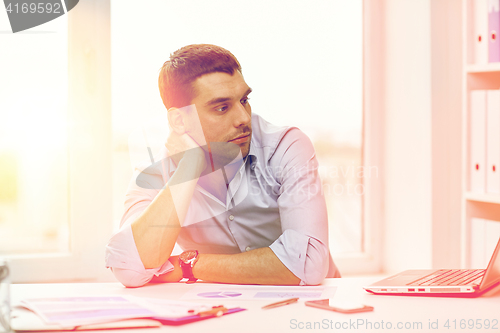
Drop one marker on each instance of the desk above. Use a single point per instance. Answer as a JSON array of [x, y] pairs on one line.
[[389, 310]]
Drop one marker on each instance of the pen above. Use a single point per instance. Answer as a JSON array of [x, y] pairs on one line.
[[281, 303]]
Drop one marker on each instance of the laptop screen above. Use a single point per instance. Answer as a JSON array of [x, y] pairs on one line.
[[492, 274]]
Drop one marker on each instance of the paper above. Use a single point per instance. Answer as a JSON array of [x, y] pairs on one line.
[[85, 310], [168, 308], [24, 320], [237, 292], [68, 311]]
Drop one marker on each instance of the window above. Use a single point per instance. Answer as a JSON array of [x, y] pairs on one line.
[[55, 146], [33, 139]]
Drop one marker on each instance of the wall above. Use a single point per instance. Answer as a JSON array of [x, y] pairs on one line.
[[421, 58], [408, 135]]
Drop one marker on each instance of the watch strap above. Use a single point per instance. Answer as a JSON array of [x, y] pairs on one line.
[[187, 272], [187, 267]]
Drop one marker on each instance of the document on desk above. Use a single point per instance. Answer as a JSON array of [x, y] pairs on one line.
[[245, 292], [24, 320], [86, 310]]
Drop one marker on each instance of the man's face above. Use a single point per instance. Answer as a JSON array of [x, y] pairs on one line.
[[223, 109]]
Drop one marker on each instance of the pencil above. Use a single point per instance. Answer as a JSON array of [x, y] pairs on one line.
[[281, 303]]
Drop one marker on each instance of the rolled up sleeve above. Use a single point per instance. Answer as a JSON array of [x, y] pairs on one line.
[[124, 260], [305, 257], [303, 245]]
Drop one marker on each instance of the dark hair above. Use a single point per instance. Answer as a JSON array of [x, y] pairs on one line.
[[186, 65]]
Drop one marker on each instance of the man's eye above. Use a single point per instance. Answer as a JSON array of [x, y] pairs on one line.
[[245, 100], [221, 108]]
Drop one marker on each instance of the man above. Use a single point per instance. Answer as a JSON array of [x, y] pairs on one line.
[[240, 196]]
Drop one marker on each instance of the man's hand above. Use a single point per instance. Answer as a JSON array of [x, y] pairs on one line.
[[183, 146], [186, 137]]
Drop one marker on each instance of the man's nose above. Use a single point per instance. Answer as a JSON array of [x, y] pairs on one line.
[[242, 117]]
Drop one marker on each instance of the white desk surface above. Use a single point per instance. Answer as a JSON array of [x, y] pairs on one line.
[[406, 311]]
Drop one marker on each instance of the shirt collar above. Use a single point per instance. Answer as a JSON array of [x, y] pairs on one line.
[[252, 152]]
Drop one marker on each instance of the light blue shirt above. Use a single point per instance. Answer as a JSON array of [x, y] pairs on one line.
[[274, 200]]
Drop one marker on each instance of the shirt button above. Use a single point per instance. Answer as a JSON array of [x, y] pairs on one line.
[[231, 217], [247, 248], [252, 167]]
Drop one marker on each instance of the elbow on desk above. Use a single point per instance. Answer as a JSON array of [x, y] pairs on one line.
[[315, 277], [130, 278], [316, 267]]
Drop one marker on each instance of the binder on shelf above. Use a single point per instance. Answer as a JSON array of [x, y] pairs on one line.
[[483, 240], [478, 243], [493, 30], [493, 142], [480, 32], [492, 234], [477, 141]]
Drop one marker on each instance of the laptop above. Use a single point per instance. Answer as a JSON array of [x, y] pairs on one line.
[[442, 282]]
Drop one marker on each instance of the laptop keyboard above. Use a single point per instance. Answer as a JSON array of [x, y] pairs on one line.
[[451, 277]]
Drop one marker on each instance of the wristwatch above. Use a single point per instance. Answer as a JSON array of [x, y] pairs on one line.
[[187, 259]]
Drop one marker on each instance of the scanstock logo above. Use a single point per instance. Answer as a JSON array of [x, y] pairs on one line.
[[26, 14]]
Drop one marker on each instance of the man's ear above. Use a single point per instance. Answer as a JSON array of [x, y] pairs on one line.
[[176, 120]]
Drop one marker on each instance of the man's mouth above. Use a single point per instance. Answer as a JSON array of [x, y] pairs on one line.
[[241, 139]]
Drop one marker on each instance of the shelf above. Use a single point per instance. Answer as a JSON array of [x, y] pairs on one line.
[[480, 197], [483, 68], [476, 76]]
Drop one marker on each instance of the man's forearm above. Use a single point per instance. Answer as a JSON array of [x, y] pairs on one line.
[[155, 231], [259, 266]]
